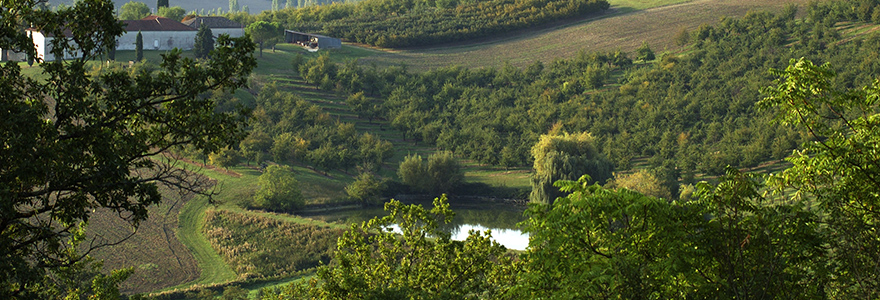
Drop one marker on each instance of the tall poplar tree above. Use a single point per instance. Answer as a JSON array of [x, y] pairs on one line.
[[139, 47], [204, 42]]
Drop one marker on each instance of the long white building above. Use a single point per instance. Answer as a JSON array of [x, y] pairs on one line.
[[158, 34]]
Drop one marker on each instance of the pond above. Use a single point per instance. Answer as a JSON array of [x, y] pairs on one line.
[[501, 218]]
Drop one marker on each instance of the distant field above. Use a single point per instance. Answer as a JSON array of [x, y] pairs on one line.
[[642, 4], [621, 29]]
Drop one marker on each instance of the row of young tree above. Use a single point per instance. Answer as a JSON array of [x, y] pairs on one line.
[[690, 114], [287, 129], [394, 23]]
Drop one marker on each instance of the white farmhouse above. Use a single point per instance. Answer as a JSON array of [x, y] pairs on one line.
[[218, 25], [43, 44], [158, 34]]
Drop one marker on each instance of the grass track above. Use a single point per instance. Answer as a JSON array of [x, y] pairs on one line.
[[231, 190], [192, 218]]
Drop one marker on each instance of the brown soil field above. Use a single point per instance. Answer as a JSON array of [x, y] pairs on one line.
[[656, 26], [158, 257]]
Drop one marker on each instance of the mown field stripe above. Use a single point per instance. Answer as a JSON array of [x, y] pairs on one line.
[[213, 268]]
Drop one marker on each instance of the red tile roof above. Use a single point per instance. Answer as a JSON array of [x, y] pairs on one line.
[[155, 23]]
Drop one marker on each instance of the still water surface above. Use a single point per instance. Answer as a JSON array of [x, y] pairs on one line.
[[500, 218]]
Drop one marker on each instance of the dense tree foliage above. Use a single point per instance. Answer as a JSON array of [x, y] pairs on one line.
[[374, 262], [839, 170], [290, 129], [74, 142], [265, 33], [644, 52], [564, 156], [729, 243], [642, 181], [175, 12], [814, 239], [225, 158], [255, 146], [278, 190], [393, 23], [366, 189], [134, 10], [413, 172], [808, 232], [441, 173]]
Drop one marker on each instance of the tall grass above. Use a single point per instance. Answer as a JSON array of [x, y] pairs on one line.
[[258, 246]]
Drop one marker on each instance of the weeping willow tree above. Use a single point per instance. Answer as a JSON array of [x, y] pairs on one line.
[[565, 156]]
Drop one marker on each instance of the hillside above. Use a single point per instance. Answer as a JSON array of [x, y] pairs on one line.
[[255, 6], [623, 27], [325, 185]]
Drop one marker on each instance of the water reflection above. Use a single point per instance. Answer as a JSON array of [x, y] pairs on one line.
[[480, 216], [510, 238]]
